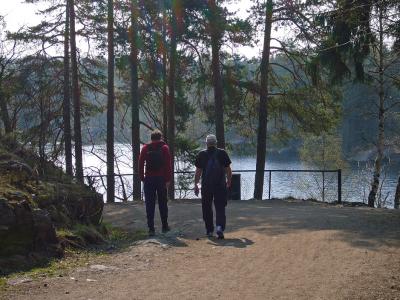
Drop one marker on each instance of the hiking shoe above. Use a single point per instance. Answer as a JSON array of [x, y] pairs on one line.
[[165, 229], [152, 232], [220, 235]]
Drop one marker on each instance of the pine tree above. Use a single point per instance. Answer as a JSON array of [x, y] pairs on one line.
[[287, 87], [67, 99], [76, 95], [216, 33], [176, 10], [110, 104], [134, 30], [6, 73], [263, 114]]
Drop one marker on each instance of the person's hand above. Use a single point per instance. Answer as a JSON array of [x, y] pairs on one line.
[[229, 184], [196, 190], [167, 184]]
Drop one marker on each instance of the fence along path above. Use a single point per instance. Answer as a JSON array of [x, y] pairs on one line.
[[321, 185]]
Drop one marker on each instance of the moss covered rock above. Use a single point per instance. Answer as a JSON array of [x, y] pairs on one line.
[[25, 229], [34, 206]]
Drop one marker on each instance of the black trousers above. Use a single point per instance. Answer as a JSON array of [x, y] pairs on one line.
[[154, 188], [219, 197]]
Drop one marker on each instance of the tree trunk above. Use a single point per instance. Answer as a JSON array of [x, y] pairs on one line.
[[42, 129], [263, 113], [397, 195], [171, 96], [381, 118], [164, 73], [216, 74], [67, 99], [5, 116], [76, 94], [135, 101], [110, 105]]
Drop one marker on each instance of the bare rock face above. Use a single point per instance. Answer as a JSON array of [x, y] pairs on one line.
[[24, 230], [7, 215], [16, 234], [44, 232]]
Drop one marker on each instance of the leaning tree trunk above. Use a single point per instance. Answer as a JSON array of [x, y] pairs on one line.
[[110, 105], [76, 96], [381, 120], [263, 113], [216, 36], [67, 99], [171, 95], [135, 101], [397, 195]]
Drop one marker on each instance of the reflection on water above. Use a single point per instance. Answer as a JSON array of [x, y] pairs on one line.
[[355, 181]]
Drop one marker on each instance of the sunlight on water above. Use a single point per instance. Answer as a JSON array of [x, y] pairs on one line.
[[355, 182]]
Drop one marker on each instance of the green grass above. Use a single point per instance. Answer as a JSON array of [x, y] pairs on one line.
[[121, 237], [54, 267], [3, 283], [102, 235]]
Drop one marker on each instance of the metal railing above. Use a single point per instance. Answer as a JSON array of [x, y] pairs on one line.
[[320, 185]]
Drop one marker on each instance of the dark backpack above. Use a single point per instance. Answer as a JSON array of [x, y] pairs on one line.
[[155, 159], [214, 173]]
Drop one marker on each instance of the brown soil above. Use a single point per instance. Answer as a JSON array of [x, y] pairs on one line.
[[272, 250]]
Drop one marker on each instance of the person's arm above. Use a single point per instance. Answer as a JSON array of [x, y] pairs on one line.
[[228, 171], [141, 162], [197, 176]]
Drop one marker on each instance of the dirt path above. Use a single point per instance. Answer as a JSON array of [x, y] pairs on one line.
[[273, 250]]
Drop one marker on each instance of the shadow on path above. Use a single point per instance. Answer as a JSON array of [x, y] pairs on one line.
[[228, 242], [360, 227]]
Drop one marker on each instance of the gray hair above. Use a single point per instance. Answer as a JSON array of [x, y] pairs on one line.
[[211, 140]]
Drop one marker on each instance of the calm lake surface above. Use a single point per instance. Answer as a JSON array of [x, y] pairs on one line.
[[355, 180]]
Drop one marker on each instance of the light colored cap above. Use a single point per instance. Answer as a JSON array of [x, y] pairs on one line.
[[211, 140]]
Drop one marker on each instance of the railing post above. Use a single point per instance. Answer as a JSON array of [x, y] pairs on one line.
[[323, 186], [339, 188], [269, 185]]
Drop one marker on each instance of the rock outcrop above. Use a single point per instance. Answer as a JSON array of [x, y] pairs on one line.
[[34, 206]]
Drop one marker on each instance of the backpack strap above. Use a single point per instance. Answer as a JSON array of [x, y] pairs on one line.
[[159, 146], [214, 154]]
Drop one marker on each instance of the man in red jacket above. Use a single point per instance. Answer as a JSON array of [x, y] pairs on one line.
[[156, 179]]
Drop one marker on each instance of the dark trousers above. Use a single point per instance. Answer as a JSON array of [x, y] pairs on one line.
[[154, 188], [219, 197]]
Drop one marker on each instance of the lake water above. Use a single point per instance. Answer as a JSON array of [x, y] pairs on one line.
[[355, 181]]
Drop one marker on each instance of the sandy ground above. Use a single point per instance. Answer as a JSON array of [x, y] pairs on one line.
[[273, 250]]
